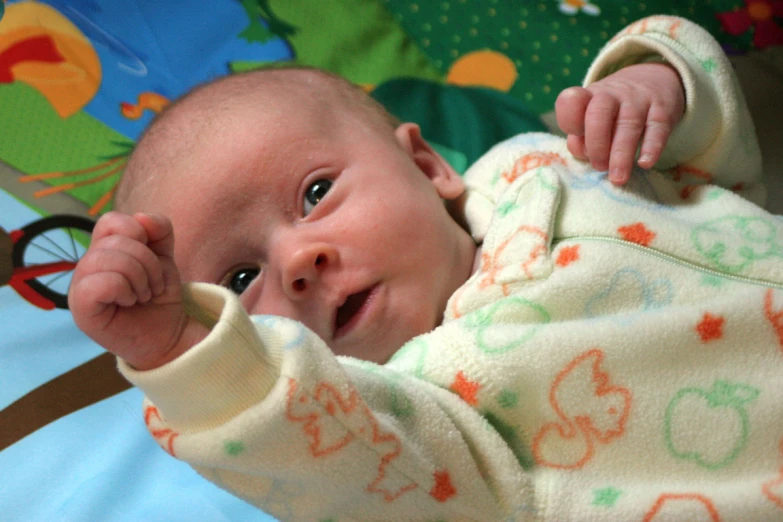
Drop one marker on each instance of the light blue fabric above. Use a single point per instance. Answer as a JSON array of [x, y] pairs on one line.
[[99, 463]]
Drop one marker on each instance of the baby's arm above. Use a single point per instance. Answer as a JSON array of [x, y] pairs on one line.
[[263, 408], [607, 120], [126, 292], [714, 140]]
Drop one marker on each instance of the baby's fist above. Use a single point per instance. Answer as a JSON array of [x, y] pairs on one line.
[[126, 292]]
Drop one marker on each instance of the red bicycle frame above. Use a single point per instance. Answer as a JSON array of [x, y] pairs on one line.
[[21, 275]]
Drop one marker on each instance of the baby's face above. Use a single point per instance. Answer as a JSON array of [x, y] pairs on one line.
[[324, 222]]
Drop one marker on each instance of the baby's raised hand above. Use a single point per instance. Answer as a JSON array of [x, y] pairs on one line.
[[126, 292], [606, 121]]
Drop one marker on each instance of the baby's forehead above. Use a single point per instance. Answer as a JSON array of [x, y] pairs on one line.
[[264, 105]]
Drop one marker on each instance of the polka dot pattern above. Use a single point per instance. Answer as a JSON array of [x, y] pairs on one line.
[[550, 42]]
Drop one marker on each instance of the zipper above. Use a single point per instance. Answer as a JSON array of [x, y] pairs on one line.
[[672, 259]]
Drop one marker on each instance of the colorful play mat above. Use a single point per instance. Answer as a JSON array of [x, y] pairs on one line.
[[80, 80]]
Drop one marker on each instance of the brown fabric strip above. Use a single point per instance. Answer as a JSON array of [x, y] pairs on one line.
[[93, 381]]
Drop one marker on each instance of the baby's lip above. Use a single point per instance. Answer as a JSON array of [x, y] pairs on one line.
[[350, 312]]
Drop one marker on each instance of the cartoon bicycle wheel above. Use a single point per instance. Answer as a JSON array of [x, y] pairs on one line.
[[46, 252]]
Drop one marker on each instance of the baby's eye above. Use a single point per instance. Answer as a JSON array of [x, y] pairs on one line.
[[315, 193], [241, 279]]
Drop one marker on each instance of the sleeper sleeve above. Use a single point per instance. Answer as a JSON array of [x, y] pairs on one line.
[[262, 408], [715, 141]]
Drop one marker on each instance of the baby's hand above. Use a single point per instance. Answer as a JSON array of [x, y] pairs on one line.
[[606, 121], [126, 292]]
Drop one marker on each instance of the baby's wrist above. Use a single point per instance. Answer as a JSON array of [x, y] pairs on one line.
[[191, 333]]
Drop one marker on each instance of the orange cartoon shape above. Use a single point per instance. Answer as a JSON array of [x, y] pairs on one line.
[[483, 68], [529, 243], [147, 101], [42, 48], [589, 408], [532, 161], [332, 421], [164, 436], [774, 316], [773, 489], [660, 23], [682, 506]]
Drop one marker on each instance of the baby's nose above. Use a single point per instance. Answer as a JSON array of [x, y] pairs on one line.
[[304, 268]]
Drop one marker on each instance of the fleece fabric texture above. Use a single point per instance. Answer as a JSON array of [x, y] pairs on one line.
[[617, 356]]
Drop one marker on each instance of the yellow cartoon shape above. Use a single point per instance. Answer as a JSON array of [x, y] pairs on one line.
[[42, 48]]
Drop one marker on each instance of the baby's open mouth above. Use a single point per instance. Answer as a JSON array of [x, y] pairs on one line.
[[350, 309]]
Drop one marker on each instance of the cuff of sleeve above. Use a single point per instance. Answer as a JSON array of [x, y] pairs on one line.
[[701, 121], [226, 373]]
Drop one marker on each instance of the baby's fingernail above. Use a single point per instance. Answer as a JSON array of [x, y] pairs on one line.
[[645, 158], [617, 175]]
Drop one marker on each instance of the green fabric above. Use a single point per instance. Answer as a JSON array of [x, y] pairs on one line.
[[358, 39], [35, 139], [455, 158], [465, 119], [550, 47]]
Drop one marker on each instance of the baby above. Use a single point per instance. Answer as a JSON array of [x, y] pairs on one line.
[[542, 340]]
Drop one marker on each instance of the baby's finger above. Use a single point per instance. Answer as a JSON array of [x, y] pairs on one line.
[[627, 133], [160, 233], [656, 134], [94, 298], [576, 146], [107, 289], [161, 241], [599, 125], [570, 108], [117, 223], [107, 258], [145, 256]]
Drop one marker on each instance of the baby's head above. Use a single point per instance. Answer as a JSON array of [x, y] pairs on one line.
[[297, 191]]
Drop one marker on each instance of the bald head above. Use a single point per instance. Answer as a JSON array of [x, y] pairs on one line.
[[179, 130]]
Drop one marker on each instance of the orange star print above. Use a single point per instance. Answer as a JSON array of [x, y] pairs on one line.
[[466, 388], [710, 328], [637, 233]]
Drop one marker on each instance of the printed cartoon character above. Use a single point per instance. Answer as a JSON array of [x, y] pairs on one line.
[[682, 506], [331, 421], [721, 409], [589, 408]]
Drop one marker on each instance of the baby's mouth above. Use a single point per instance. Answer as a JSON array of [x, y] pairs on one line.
[[349, 311]]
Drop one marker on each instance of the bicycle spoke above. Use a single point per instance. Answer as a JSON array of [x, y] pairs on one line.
[[73, 244], [64, 254], [55, 279]]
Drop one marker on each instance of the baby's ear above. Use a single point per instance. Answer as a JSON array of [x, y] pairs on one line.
[[447, 182]]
